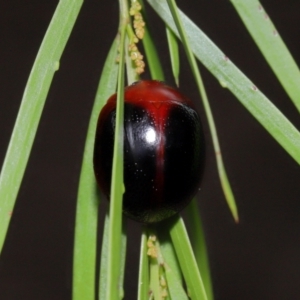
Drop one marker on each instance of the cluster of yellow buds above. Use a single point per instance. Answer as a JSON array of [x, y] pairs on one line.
[[152, 250], [137, 57], [138, 22], [138, 25]]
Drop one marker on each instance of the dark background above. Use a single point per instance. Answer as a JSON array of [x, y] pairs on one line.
[[257, 259]]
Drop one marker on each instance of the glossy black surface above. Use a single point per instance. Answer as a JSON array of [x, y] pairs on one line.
[[163, 158]]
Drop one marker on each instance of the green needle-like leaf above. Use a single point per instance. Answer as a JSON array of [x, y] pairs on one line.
[[199, 246], [45, 65], [104, 261], [232, 78], [87, 199], [153, 61], [169, 254], [175, 287], [154, 279], [105, 256], [271, 45], [187, 259], [174, 53], [152, 57], [196, 72], [122, 251], [171, 266], [143, 288], [113, 291]]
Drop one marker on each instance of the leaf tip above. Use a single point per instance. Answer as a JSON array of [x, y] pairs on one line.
[[233, 209]]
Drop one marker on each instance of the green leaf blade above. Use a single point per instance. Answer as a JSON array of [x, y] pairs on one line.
[[104, 261], [197, 236], [84, 259], [174, 54], [105, 258], [226, 187], [175, 287], [229, 76], [153, 61], [143, 288], [152, 57], [271, 45], [211, 123], [113, 291], [34, 97], [172, 267], [187, 260]]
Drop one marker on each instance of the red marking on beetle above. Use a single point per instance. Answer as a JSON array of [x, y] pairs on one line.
[[158, 108], [157, 105], [159, 112]]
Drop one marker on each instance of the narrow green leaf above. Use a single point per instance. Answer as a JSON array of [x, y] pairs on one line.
[[169, 254], [39, 81], [87, 198], [143, 288], [226, 186], [187, 260], [171, 266], [122, 251], [174, 53], [221, 169], [197, 237], [175, 287], [114, 291], [104, 261], [232, 78], [105, 254], [152, 57], [154, 279], [153, 61], [268, 40]]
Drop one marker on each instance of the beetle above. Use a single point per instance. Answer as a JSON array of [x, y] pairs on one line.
[[164, 150]]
